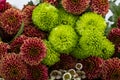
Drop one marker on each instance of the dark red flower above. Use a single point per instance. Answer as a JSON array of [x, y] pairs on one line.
[[114, 35], [33, 50], [11, 20], [75, 6], [16, 44], [39, 72], [92, 67], [66, 62], [12, 67], [27, 11], [32, 31], [111, 69], [100, 6]]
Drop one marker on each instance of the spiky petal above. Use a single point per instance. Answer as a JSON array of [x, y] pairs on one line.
[[111, 69], [12, 67], [75, 6], [33, 51], [16, 44], [92, 67], [39, 72], [11, 20], [32, 31], [100, 6]]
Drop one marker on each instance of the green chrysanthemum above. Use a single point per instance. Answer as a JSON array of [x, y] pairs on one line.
[[91, 21], [45, 16], [92, 43], [63, 38], [52, 57], [66, 18]]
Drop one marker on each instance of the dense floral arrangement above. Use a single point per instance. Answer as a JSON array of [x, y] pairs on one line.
[[58, 40]]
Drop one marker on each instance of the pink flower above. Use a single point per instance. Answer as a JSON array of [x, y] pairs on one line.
[[2, 5]]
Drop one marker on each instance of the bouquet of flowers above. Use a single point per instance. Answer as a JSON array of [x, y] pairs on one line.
[[59, 40]]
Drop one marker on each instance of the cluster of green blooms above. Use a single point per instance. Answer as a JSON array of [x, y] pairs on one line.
[[90, 21], [63, 38], [52, 56], [92, 43]]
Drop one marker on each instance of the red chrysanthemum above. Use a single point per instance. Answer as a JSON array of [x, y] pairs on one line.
[[3, 49], [114, 35], [100, 6], [11, 20], [118, 22], [33, 50], [16, 44], [92, 67], [75, 6], [27, 11], [111, 69], [39, 72], [12, 67], [66, 62], [53, 2], [32, 31]]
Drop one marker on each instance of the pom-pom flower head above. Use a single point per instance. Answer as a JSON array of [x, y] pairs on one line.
[[75, 6], [45, 16], [114, 35], [63, 38], [66, 18], [92, 67], [90, 21], [33, 51], [100, 6], [111, 69], [12, 67], [51, 56], [11, 20], [92, 43], [16, 44], [39, 72]]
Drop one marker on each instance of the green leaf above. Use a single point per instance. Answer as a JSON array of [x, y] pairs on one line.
[[19, 32]]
